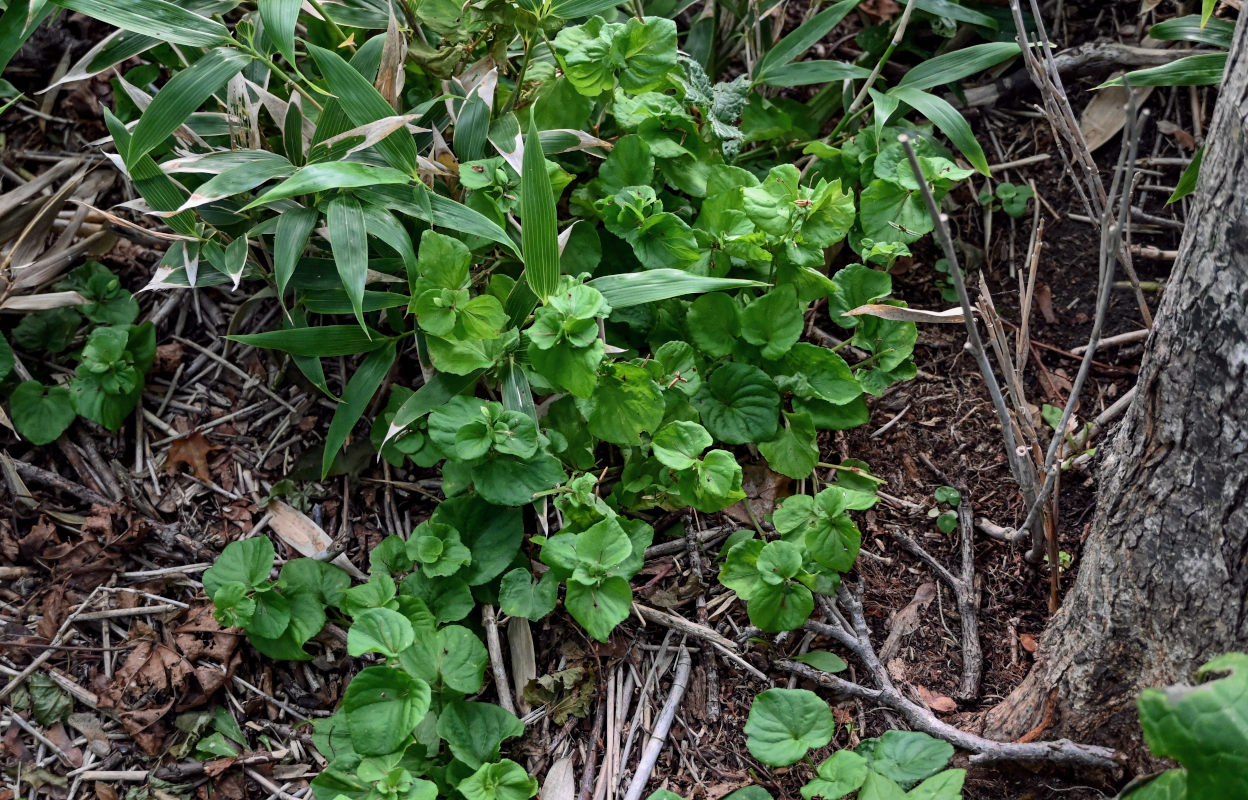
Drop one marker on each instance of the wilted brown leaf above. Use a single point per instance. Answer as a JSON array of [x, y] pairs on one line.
[[191, 450], [936, 702], [1028, 642]]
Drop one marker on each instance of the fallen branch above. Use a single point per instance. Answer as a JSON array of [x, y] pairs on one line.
[[721, 643], [1061, 751], [654, 745]]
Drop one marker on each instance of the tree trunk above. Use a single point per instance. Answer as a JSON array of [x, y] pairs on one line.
[[1163, 581]]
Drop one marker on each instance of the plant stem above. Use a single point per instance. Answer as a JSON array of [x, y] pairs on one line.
[[344, 41], [283, 75], [852, 471], [888, 52], [524, 67]]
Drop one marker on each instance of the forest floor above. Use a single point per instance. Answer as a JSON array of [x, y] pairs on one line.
[[104, 536]]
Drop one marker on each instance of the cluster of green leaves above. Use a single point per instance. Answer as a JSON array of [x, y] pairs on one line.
[[110, 355], [405, 728], [786, 724], [818, 543], [603, 262], [1009, 197], [1204, 728]]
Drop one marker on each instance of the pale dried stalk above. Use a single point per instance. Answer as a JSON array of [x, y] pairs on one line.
[[497, 667], [654, 746]]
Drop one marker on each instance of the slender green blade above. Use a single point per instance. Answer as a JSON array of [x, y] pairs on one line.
[[348, 240], [185, 92], [435, 392], [355, 398], [329, 175], [364, 104], [291, 237], [322, 341], [957, 65], [802, 39], [1202, 70], [516, 393], [239, 179], [418, 202], [539, 240], [651, 286], [156, 18], [1187, 181], [16, 25], [1214, 32], [948, 119], [575, 9], [806, 73], [157, 188], [279, 18], [1206, 10]]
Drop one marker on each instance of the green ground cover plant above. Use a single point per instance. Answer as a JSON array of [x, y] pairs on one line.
[[579, 262]]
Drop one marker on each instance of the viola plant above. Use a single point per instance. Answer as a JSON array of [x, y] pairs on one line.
[[582, 266], [786, 724], [96, 337]]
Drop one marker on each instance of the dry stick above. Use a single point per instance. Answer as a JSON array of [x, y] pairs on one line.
[[497, 667], [1130, 337], [53, 481], [1111, 239], [591, 755], [1062, 751], [1048, 80], [1020, 467], [654, 746], [712, 670], [720, 642]]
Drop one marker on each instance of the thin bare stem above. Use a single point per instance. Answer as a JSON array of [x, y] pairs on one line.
[[1022, 469]]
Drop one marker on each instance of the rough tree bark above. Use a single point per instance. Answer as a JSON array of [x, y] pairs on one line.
[[1163, 583]]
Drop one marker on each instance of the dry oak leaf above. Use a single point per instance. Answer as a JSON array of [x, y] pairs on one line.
[[936, 702], [191, 450]]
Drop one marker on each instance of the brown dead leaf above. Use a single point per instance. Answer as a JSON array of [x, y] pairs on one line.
[[92, 728], [763, 489], [55, 607], [1185, 139], [906, 621], [936, 702], [191, 450], [59, 737], [1028, 642], [1106, 114], [105, 791], [168, 357], [1044, 301]]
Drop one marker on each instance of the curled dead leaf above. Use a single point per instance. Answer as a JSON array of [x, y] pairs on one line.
[[1028, 642], [898, 314]]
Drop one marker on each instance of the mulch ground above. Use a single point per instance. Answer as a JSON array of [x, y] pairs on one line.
[[103, 536]]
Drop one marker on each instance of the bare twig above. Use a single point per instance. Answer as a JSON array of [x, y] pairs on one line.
[[497, 667], [1060, 751], [1020, 467], [855, 635], [719, 642], [654, 745]]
